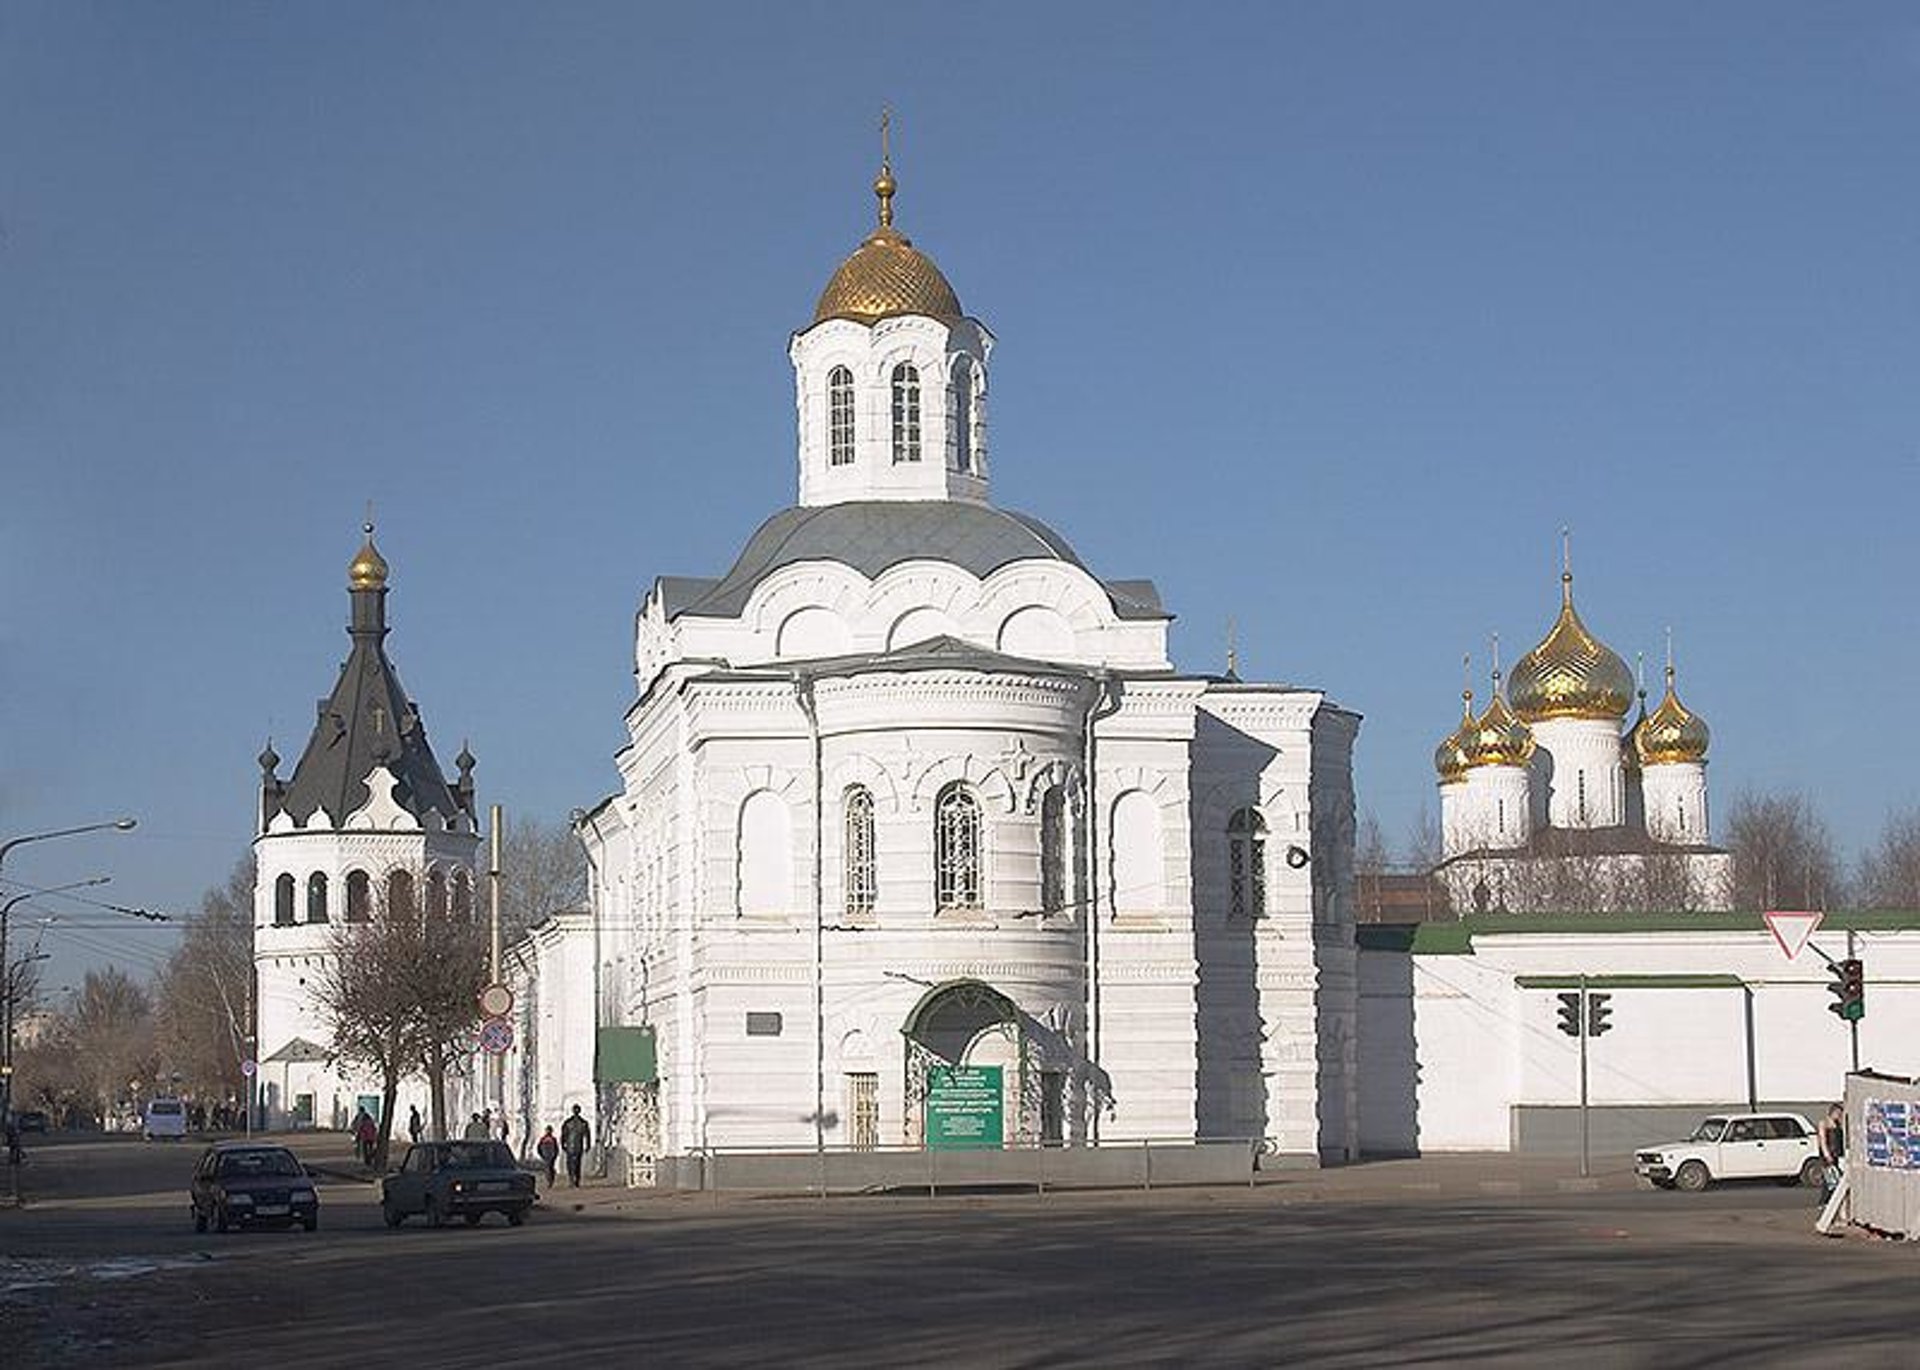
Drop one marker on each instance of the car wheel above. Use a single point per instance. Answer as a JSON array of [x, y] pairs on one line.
[[1813, 1173], [199, 1219], [1692, 1177], [311, 1222], [435, 1218], [516, 1216], [394, 1217]]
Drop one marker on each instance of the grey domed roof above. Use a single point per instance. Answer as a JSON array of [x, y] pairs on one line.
[[872, 535]]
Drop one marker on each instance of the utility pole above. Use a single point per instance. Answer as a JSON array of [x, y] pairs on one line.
[[1585, 1131], [498, 1067]]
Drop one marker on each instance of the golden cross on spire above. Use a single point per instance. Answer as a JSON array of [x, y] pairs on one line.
[[886, 124], [883, 183], [1233, 655], [1669, 656], [369, 523]]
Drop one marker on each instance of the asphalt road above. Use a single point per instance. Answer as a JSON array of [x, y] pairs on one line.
[[1482, 1262]]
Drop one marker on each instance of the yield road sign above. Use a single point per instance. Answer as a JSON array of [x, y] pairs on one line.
[[1792, 929]]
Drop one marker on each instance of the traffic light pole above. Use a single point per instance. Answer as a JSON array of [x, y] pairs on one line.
[[1853, 1024], [1585, 1136]]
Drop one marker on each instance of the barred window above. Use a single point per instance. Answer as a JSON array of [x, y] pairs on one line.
[[400, 894], [283, 902], [956, 849], [1247, 864], [463, 896], [436, 893], [840, 417], [960, 407], [316, 898], [862, 887], [359, 896], [906, 413], [1053, 850]]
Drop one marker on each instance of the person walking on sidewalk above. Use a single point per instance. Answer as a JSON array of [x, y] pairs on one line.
[[548, 1149], [414, 1125], [366, 1136], [575, 1137], [1833, 1149]]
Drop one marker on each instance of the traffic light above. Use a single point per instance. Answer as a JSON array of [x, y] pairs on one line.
[[1597, 1014], [1849, 989], [1570, 1013]]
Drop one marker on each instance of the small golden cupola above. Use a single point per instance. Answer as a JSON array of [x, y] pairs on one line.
[[887, 276], [1671, 733], [1571, 674], [368, 569], [1450, 757], [1497, 737]]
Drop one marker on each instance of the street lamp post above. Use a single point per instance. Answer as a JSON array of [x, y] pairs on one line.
[[6, 1041]]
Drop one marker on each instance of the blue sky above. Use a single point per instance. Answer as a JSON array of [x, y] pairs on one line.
[[1325, 317]]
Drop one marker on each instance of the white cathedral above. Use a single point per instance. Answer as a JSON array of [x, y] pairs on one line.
[[911, 789], [1546, 804]]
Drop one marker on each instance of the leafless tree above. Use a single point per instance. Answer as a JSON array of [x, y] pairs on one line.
[[398, 992], [110, 1030], [542, 869], [1890, 869], [1783, 854], [1423, 841], [1371, 854], [202, 992]]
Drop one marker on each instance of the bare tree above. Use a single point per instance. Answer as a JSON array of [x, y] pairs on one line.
[[1423, 841], [1783, 854], [1890, 869], [1371, 854], [398, 992], [201, 994], [110, 1030], [542, 869]]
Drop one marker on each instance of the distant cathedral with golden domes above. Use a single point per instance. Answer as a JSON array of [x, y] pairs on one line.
[[1547, 803]]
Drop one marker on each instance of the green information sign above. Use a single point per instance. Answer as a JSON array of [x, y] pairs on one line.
[[964, 1108]]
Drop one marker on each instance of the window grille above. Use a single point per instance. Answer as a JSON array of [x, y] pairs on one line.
[[863, 1110], [1053, 1107], [956, 849], [462, 896], [861, 884], [436, 893], [359, 896], [960, 407], [840, 417], [283, 902], [906, 413], [1053, 854], [1247, 864], [400, 894], [316, 898]]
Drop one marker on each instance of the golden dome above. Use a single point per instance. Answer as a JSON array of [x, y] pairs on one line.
[[1571, 674], [368, 569], [1672, 732], [887, 275], [1450, 757], [1497, 738]]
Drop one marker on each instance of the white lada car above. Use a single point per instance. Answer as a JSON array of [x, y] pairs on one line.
[[1736, 1146]]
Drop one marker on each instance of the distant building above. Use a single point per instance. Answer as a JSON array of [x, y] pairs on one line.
[[366, 820], [911, 789], [1546, 804]]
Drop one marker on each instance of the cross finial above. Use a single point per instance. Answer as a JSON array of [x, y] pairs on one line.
[[1669, 656], [368, 525], [1496, 663], [1640, 676], [1233, 655], [886, 125], [883, 184], [1466, 684]]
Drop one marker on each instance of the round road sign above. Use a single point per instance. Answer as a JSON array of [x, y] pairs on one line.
[[249, 1067], [496, 1001], [496, 1036]]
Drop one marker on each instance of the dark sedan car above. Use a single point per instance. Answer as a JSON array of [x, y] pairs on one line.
[[245, 1184], [469, 1180]]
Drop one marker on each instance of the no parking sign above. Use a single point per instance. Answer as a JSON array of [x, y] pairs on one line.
[[496, 1036]]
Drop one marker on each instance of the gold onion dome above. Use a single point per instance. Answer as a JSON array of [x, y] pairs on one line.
[[368, 569], [1498, 738], [1672, 732], [1571, 674], [1450, 757], [886, 276]]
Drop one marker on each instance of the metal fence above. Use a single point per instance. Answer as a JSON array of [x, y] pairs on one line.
[[1137, 1163]]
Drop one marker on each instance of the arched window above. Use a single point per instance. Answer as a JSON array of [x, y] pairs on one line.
[[840, 417], [283, 902], [462, 895], [316, 898], [765, 855], [906, 413], [359, 896], [960, 407], [1246, 864], [1138, 860], [862, 886], [400, 894], [956, 849], [1053, 850], [436, 893]]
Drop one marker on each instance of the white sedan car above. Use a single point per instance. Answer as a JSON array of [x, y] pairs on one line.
[[1736, 1146]]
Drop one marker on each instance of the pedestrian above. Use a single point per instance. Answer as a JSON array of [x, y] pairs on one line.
[[505, 1132], [476, 1130], [548, 1149], [1833, 1150], [414, 1124], [366, 1136], [15, 1155], [575, 1137]]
